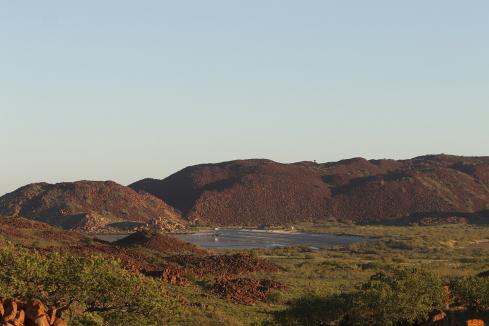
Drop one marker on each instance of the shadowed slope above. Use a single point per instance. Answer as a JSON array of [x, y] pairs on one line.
[[244, 192]]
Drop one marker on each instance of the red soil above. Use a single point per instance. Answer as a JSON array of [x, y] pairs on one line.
[[245, 290]]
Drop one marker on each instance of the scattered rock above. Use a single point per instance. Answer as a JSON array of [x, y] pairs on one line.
[[222, 265], [245, 290], [438, 317], [173, 277], [31, 312]]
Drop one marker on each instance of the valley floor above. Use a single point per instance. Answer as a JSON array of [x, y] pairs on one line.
[[206, 288], [450, 251]]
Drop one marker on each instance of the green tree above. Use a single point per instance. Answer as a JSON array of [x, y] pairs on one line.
[[86, 288], [399, 296], [472, 292]]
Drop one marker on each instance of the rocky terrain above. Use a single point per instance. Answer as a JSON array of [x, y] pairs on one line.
[[154, 254], [90, 206], [245, 290], [45, 238], [257, 192], [30, 312], [230, 275], [223, 266]]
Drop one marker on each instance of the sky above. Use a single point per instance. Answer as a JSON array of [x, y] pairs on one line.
[[122, 90]]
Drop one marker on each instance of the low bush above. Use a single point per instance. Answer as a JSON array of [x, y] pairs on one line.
[[400, 296], [472, 292]]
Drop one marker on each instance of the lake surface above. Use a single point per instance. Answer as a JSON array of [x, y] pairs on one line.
[[243, 239]]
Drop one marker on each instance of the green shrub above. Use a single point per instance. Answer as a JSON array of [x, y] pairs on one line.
[[81, 285], [276, 297], [313, 310], [88, 319], [401, 296], [472, 292]]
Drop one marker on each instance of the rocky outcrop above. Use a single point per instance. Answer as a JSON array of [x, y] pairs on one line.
[[245, 290], [173, 277], [29, 313]]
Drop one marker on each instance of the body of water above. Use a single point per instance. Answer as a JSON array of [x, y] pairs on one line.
[[243, 239]]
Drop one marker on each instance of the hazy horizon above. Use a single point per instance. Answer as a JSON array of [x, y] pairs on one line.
[[122, 91]]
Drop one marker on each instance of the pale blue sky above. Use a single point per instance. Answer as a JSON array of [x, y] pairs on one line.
[[123, 90]]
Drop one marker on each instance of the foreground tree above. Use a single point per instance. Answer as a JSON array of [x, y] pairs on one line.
[[94, 289], [400, 296], [472, 293]]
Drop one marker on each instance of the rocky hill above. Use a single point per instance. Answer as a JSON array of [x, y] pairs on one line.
[[244, 192], [254, 192], [159, 242], [90, 206]]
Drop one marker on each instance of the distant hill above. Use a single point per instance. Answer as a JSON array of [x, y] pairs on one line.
[[244, 192], [90, 206], [31, 234], [254, 192]]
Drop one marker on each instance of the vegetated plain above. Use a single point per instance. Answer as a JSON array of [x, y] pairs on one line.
[[426, 219], [451, 252], [308, 279]]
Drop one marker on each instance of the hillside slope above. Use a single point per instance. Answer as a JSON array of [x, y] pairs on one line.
[[244, 192], [254, 192], [134, 255], [89, 206]]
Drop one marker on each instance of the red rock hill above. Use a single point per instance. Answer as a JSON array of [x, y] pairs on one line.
[[88, 206], [253, 192]]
